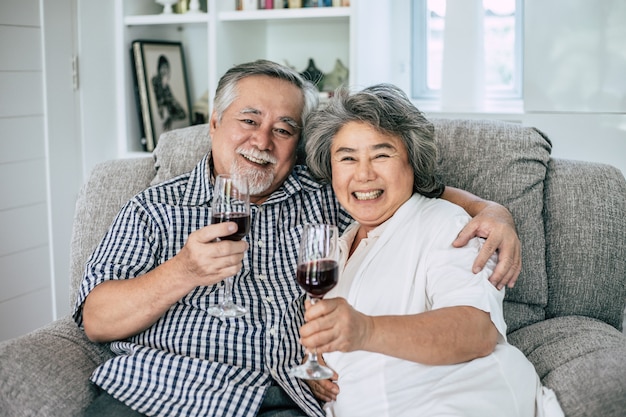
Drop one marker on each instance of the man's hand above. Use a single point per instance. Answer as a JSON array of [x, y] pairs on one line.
[[495, 224], [206, 261]]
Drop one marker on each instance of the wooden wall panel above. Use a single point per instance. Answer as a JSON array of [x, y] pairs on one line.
[[20, 48], [21, 139], [20, 13], [22, 94], [21, 275], [23, 189], [23, 228], [26, 313]]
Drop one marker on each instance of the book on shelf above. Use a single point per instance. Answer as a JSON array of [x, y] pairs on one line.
[[287, 4]]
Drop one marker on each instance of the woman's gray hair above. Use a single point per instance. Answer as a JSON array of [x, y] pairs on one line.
[[226, 91], [387, 109]]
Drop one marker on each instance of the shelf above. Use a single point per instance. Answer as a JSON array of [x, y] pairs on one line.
[[166, 19], [216, 40], [278, 14]]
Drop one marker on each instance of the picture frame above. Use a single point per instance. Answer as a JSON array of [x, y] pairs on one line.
[[161, 87]]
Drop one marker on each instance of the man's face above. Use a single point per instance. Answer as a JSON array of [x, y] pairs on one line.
[[259, 133]]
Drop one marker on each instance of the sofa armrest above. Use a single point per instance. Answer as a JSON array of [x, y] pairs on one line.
[[46, 372]]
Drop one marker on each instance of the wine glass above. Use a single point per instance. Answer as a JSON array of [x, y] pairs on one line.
[[231, 203], [317, 274]]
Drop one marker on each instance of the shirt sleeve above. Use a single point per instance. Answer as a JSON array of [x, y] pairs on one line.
[[450, 281], [128, 249]]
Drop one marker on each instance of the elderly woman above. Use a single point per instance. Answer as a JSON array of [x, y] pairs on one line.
[[409, 329]]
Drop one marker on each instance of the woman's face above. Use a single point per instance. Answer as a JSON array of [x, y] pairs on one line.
[[371, 174], [164, 72]]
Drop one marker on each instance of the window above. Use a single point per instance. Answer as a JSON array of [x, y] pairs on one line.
[[501, 41]]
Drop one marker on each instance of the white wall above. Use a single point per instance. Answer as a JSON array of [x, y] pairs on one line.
[[25, 277], [63, 141], [574, 72], [40, 161], [575, 77], [96, 49]]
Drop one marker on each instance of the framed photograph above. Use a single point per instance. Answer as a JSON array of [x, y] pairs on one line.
[[161, 88]]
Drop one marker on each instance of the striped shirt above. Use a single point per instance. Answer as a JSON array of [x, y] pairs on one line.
[[190, 363]]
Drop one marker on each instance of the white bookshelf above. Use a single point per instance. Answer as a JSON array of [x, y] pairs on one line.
[[219, 38]]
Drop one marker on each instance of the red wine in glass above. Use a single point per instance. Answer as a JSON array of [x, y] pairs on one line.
[[242, 220], [231, 203], [318, 277], [317, 273]]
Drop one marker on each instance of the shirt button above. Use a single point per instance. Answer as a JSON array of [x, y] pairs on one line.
[[269, 299], [272, 331], [260, 243], [262, 277]]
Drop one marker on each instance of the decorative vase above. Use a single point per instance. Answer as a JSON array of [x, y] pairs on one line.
[[313, 74], [194, 6], [167, 5]]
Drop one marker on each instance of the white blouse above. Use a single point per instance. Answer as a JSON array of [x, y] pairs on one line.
[[406, 266]]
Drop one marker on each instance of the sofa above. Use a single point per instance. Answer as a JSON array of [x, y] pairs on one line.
[[565, 313]]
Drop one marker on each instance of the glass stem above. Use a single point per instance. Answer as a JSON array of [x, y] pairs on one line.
[[228, 288], [313, 357], [313, 353]]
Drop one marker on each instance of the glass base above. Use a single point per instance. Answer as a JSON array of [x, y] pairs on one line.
[[227, 310], [311, 370]]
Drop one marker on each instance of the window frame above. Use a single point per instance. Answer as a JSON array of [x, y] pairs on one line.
[[419, 59]]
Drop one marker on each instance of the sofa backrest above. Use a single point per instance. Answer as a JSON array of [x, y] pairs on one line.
[[506, 163], [585, 217], [503, 162], [109, 186]]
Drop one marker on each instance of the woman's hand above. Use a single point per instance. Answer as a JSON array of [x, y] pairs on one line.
[[444, 336], [334, 325], [325, 390]]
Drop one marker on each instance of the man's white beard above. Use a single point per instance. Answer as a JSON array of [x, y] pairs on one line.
[[259, 180]]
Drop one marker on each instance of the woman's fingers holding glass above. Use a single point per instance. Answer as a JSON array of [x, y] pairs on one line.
[[325, 390], [332, 325]]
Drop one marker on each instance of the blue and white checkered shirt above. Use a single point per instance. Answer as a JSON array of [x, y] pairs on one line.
[[189, 363]]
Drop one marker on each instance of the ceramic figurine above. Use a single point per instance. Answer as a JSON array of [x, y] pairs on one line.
[[167, 5], [313, 74], [337, 77]]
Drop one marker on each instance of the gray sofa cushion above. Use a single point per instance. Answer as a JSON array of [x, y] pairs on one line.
[[191, 144], [592, 225], [49, 364], [582, 359], [512, 173]]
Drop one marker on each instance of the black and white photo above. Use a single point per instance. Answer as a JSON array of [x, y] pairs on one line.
[[162, 88]]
